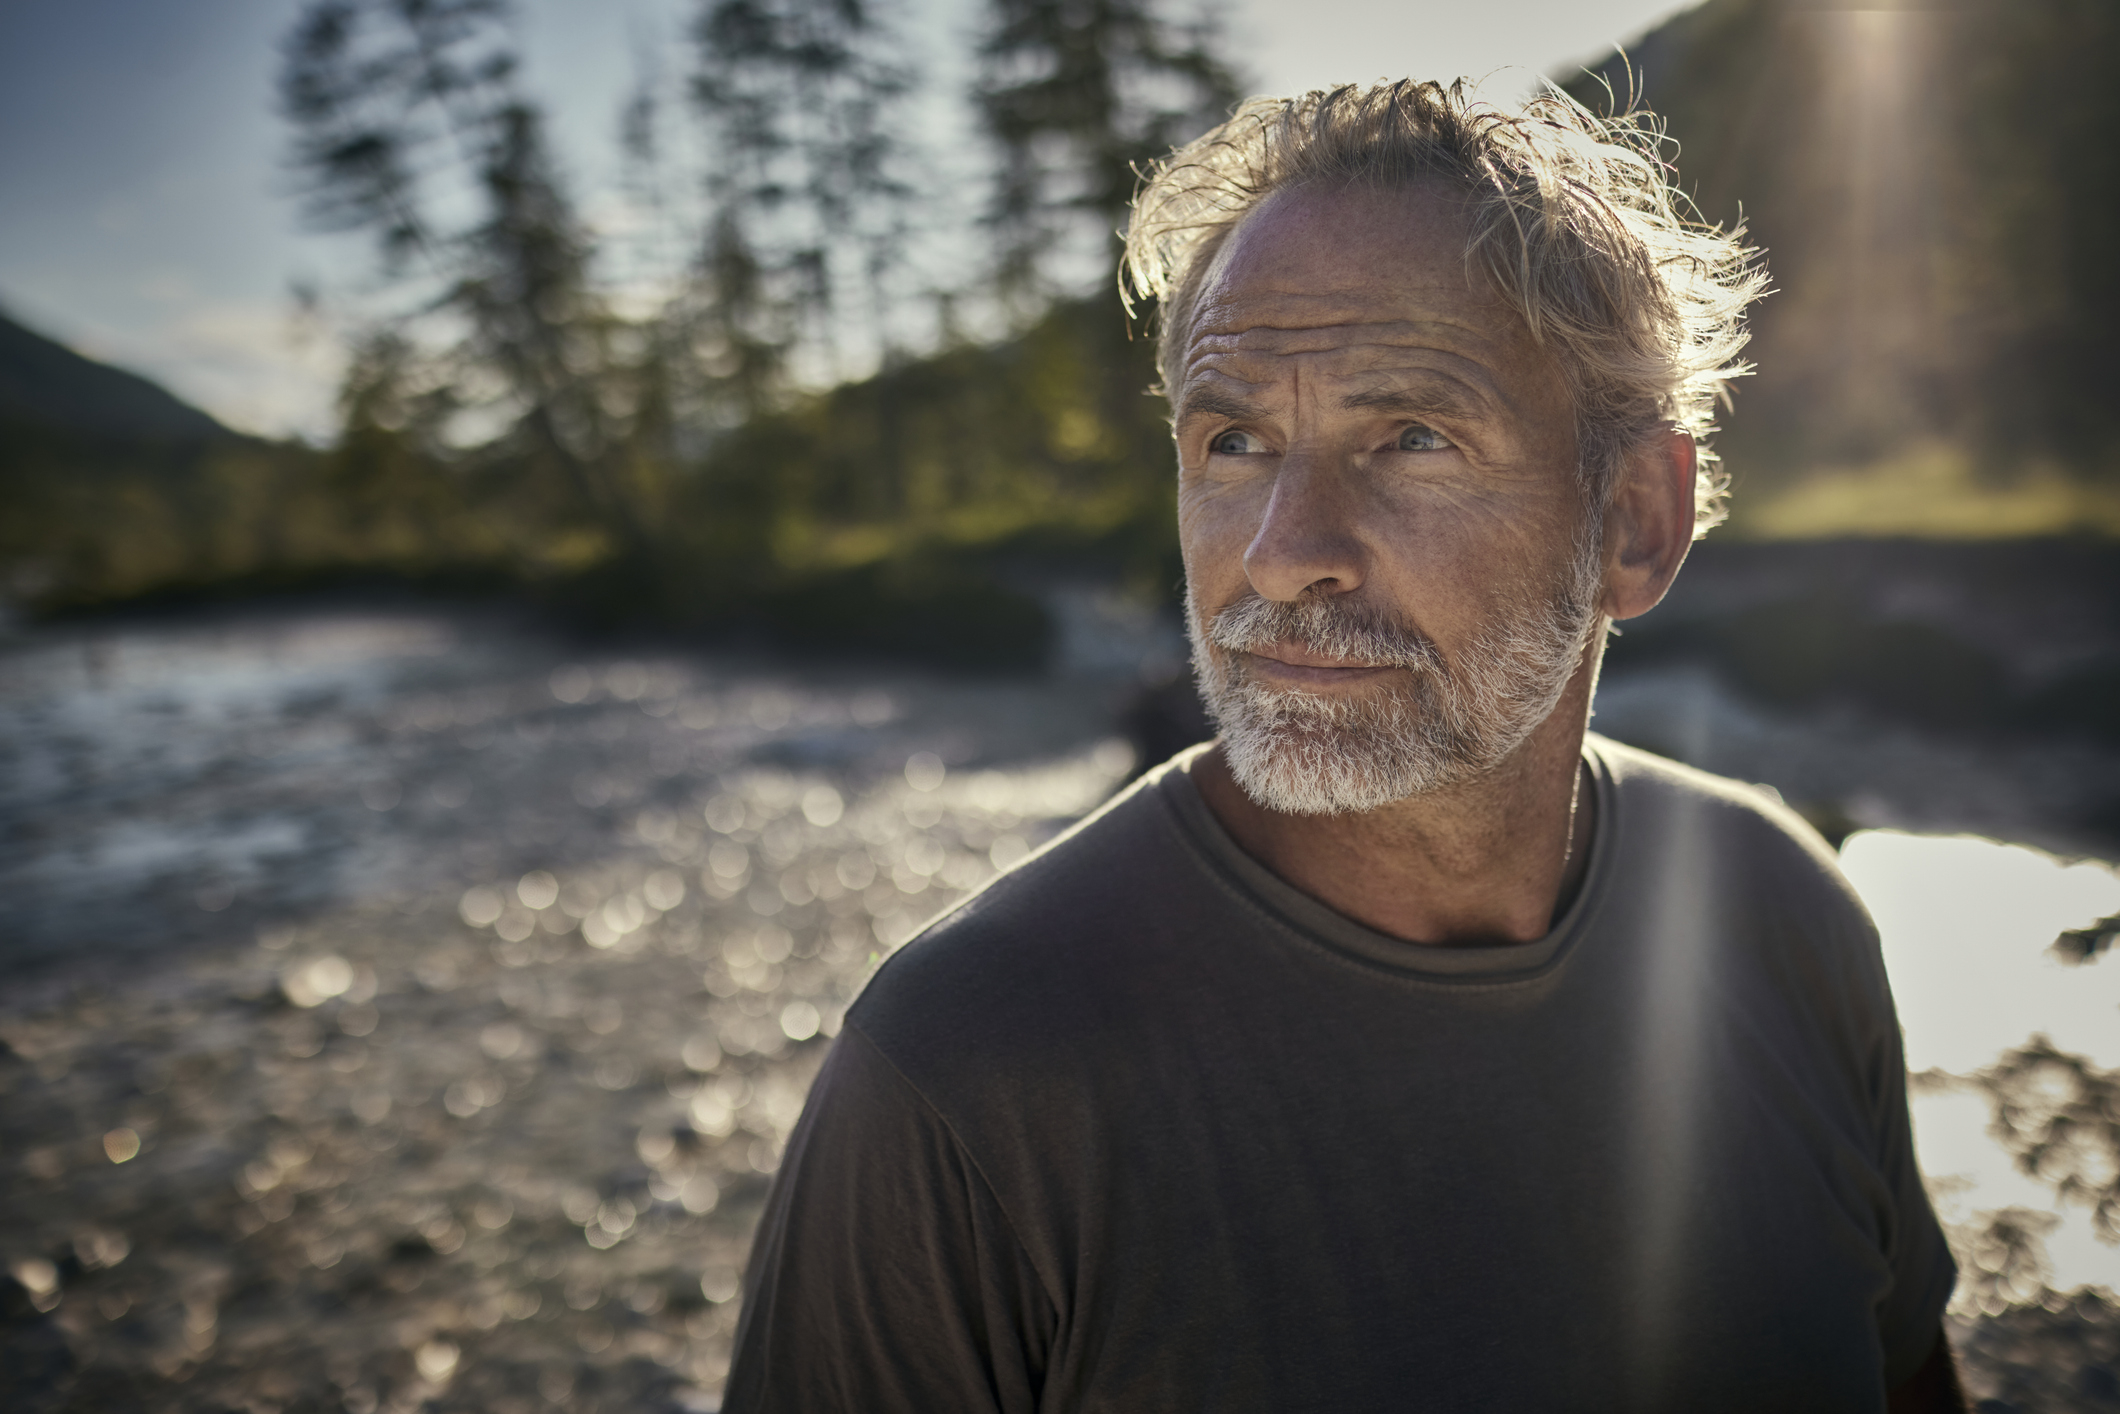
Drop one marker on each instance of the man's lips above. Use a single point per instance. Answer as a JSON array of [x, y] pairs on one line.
[[1284, 662]]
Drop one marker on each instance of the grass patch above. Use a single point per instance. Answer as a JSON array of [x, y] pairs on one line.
[[1930, 492]]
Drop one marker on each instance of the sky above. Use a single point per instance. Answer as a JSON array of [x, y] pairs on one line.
[[146, 218]]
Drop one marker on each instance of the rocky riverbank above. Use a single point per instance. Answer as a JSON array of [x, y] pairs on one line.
[[415, 1020]]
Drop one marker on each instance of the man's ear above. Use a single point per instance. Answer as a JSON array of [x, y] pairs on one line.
[[1649, 526]]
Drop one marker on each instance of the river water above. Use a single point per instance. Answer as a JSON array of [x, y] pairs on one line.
[[407, 1006]]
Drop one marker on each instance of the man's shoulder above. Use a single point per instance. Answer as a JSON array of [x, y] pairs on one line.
[[1042, 941], [1741, 844], [1656, 793]]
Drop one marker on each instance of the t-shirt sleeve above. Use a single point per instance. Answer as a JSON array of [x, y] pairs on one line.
[[885, 1276], [1923, 1271]]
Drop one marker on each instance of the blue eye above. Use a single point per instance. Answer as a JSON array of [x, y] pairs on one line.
[[1234, 444], [1422, 439]]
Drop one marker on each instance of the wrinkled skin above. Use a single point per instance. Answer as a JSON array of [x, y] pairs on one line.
[[1358, 414]]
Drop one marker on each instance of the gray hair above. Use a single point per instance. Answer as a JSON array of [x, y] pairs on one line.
[[1574, 219]]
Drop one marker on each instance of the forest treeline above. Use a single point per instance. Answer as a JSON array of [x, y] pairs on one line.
[[851, 367], [658, 422]]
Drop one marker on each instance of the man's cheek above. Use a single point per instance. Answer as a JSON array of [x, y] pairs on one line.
[[1459, 539], [1215, 527]]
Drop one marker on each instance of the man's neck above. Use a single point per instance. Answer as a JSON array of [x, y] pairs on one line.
[[1494, 860]]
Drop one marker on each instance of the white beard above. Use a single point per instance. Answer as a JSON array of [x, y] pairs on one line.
[[1442, 723]]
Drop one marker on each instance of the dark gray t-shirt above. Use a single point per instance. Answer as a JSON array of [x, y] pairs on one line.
[[1141, 1128]]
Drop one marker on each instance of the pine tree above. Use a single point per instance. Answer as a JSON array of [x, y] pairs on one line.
[[374, 88], [1076, 96], [799, 100]]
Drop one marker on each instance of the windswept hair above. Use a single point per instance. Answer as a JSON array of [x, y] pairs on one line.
[[1573, 217]]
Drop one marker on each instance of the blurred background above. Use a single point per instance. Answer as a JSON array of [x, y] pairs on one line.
[[543, 540]]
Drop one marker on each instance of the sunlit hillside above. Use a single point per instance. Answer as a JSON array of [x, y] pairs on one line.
[[1937, 194]]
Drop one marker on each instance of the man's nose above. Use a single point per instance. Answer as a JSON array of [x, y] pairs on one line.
[[1307, 538]]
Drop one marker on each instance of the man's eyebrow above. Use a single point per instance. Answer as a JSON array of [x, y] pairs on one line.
[[1210, 401], [1427, 398]]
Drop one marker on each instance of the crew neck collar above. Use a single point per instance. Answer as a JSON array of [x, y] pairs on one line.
[[1482, 963]]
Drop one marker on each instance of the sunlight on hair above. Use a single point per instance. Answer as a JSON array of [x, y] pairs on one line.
[[1575, 220]]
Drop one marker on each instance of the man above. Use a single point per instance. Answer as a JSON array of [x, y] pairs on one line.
[[1409, 1048]]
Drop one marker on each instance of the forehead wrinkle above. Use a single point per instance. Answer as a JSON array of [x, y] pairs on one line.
[[1426, 331], [1413, 378], [1211, 365], [1471, 351]]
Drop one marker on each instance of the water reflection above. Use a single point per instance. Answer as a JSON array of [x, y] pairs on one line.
[[1968, 926], [481, 1114]]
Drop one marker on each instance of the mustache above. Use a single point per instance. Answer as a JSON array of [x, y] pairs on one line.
[[1334, 627]]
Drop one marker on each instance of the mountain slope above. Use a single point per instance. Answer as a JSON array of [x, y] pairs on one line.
[[45, 384]]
